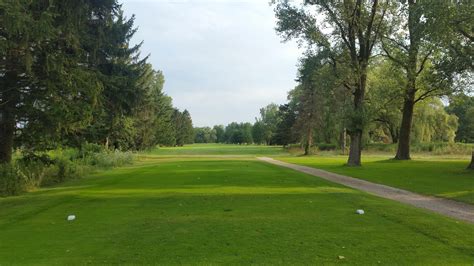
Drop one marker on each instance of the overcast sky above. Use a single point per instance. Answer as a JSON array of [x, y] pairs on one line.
[[222, 59]]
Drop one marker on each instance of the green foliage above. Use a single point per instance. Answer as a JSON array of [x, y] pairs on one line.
[[183, 127], [462, 106], [11, 180], [236, 133], [32, 170], [69, 74], [268, 122], [220, 133], [326, 146], [205, 135], [258, 132], [432, 123]]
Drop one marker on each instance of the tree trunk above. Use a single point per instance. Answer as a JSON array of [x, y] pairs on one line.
[[8, 99], [403, 151], [7, 129], [309, 141], [393, 134], [355, 150], [342, 141], [471, 165]]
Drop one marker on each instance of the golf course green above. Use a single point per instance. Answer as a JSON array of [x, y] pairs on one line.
[[172, 209]]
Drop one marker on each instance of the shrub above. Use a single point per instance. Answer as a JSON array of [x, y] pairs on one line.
[[11, 181], [327, 146], [35, 170], [90, 149], [110, 159]]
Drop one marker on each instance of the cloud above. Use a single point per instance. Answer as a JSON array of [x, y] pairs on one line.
[[222, 60]]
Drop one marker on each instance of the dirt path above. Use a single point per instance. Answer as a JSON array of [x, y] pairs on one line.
[[454, 209]]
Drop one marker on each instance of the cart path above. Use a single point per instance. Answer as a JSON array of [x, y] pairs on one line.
[[454, 209]]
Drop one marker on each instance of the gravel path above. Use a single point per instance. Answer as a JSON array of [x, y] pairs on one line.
[[454, 209]]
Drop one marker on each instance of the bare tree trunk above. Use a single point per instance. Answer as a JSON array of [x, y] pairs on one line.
[[8, 99], [471, 165], [403, 151], [393, 133], [355, 150], [7, 129], [342, 140], [309, 141]]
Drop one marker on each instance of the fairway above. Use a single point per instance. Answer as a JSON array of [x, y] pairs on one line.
[[220, 149], [210, 210]]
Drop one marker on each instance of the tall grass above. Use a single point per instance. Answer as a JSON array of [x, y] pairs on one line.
[[31, 171]]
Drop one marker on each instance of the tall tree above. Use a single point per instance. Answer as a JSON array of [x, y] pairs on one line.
[[353, 27], [412, 51], [183, 125], [284, 132], [268, 120], [48, 86]]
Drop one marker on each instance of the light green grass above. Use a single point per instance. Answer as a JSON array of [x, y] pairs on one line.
[[211, 211], [447, 178], [220, 149]]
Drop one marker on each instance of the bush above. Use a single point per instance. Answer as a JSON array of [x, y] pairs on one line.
[[327, 146], [11, 181], [90, 149], [35, 170]]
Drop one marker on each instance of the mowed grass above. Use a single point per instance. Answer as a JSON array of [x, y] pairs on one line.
[[221, 149], [447, 178], [211, 211]]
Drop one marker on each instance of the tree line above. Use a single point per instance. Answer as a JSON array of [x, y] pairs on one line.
[[69, 74], [380, 69]]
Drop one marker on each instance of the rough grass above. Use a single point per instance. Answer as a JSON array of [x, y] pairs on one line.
[[447, 178], [210, 211]]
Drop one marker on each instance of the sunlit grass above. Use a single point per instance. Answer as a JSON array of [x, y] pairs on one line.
[[212, 211], [220, 149]]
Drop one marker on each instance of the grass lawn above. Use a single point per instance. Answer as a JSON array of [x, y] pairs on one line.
[[221, 149], [232, 211], [447, 178]]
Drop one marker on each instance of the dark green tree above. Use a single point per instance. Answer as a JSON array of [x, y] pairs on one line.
[[220, 133], [284, 132], [183, 126], [258, 132]]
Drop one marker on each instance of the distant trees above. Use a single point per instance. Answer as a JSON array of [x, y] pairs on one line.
[[220, 133], [205, 135], [284, 134], [238, 133]]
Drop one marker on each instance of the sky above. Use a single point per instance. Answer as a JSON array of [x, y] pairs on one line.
[[222, 59]]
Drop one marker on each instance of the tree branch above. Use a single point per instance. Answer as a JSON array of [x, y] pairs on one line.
[[423, 62]]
